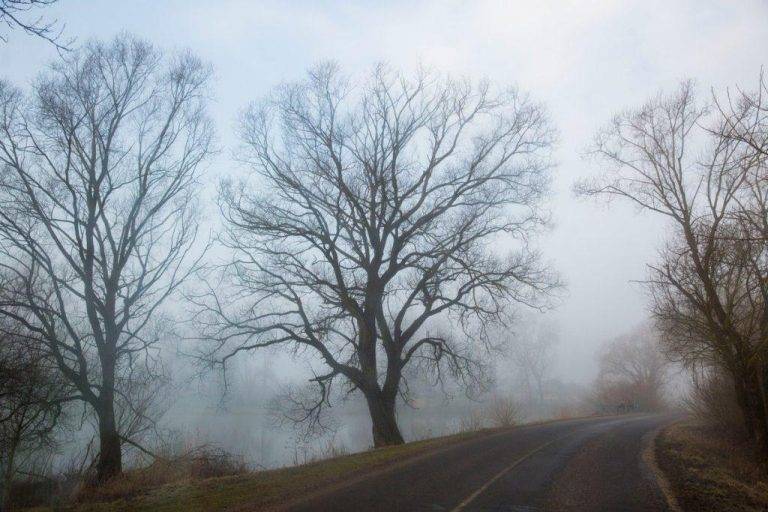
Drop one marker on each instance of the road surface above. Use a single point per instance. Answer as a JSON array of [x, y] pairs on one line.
[[594, 464]]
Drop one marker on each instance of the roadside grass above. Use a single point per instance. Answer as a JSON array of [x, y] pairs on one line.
[[708, 471], [249, 491]]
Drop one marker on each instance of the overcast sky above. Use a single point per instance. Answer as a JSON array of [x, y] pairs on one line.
[[584, 60]]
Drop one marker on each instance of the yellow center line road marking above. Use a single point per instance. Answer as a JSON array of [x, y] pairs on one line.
[[503, 472]]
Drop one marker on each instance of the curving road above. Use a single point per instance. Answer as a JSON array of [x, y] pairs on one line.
[[594, 464]]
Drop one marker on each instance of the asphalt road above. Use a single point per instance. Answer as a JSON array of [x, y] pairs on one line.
[[577, 465]]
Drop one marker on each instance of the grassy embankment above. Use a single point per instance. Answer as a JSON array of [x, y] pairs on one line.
[[138, 491], [709, 472]]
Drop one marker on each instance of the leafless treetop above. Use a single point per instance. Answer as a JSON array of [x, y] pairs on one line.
[[371, 214], [20, 14]]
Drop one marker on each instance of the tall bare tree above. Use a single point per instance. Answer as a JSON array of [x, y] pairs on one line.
[[688, 162], [98, 218], [378, 213]]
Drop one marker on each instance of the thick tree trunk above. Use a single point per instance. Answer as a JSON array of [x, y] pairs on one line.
[[383, 420], [750, 401], [743, 403], [110, 461], [757, 405]]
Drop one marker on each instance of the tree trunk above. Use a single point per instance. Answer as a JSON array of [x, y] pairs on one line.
[[756, 400], [110, 461], [749, 398], [743, 403], [540, 390], [383, 420], [763, 401], [9, 471], [6, 498], [5, 505]]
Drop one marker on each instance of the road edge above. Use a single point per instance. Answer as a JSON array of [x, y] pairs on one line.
[[649, 459]]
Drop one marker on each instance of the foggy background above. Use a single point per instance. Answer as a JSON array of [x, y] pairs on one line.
[[583, 60]]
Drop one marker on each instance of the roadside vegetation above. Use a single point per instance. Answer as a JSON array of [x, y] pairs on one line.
[[708, 470], [708, 458]]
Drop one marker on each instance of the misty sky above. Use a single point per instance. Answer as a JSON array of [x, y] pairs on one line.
[[584, 60]]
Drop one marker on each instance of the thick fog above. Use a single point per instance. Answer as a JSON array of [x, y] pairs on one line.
[[583, 61]]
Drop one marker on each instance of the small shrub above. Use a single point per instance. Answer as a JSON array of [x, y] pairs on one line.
[[211, 462], [472, 423], [503, 412]]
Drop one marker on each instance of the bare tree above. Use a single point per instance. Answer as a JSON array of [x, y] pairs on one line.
[[532, 354], [687, 162], [633, 372], [370, 226], [31, 402], [14, 14], [98, 218]]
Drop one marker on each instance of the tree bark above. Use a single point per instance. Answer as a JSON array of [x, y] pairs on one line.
[[110, 463], [749, 398], [756, 399], [743, 403], [10, 470], [383, 420], [5, 505]]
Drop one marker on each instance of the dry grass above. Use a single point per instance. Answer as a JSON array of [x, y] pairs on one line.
[[709, 471], [200, 463]]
